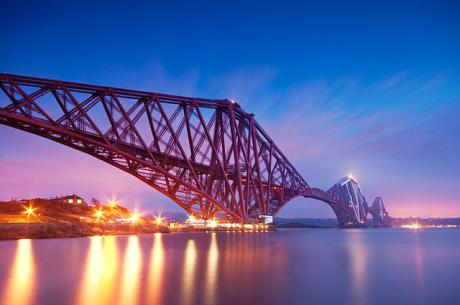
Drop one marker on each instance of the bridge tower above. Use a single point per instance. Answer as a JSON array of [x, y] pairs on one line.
[[379, 213], [351, 208]]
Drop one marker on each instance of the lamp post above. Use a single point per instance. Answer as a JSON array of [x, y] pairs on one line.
[[29, 212]]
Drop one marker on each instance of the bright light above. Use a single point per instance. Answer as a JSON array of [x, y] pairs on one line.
[[99, 214], [232, 101], [29, 211], [159, 220], [191, 219], [112, 203], [414, 226], [212, 223], [350, 176], [134, 218]]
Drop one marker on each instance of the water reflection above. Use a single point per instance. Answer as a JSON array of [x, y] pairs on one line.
[[212, 272], [357, 252], [286, 267], [21, 286], [155, 287], [98, 281], [188, 276], [420, 274], [131, 272]]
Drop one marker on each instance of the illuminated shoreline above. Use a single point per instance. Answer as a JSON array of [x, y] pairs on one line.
[[11, 231], [416, 226]]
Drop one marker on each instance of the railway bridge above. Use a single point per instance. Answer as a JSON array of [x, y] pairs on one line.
[[209, 156]]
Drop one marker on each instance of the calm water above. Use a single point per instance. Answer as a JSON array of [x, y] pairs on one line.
[[296, 266]]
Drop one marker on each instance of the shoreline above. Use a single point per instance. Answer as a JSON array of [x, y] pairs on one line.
[[14, 231]]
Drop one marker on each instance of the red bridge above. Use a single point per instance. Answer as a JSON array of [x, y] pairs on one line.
[[209, 156]]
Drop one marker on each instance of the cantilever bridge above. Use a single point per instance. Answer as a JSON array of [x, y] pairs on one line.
[[209, 156]]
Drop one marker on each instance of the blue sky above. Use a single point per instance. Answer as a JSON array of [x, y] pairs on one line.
[[363, 87]]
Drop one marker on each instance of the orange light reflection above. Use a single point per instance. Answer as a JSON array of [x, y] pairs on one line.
[[21, 285], [188, 277], [155, 280], [129, 293], [212, 271], [98, 281]]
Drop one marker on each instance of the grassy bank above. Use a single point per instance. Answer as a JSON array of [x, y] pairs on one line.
[[53, 219], [69, 229]]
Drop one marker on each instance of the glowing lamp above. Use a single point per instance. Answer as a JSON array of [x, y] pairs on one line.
[[134, 218], [29, 211], [159, 220], [212, 223], [99, 214]]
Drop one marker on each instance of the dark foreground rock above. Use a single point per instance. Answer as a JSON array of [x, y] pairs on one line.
[[71, 229]]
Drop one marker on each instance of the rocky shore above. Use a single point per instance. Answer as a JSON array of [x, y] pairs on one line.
[[72, 229]]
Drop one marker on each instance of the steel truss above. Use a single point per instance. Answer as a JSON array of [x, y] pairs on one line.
[[209, 156]]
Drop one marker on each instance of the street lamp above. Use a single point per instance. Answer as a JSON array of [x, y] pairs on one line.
[[134, 218], [99, 214], [29, 212], [159, 220]]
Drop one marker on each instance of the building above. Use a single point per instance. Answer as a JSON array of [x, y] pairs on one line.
[[266, 219], [69, 199]]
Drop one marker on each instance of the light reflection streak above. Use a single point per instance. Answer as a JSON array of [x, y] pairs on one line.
[[212, 272], [131, 272], [155, 280], [419, 265], [98, 281], [188, 276], [21, 286], [357, 252]]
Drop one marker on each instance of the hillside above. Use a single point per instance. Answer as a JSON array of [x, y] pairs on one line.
[[51, 218]]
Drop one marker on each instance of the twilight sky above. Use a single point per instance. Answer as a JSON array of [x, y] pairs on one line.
[[367, 88]]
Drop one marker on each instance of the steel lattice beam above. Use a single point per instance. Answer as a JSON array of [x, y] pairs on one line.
[[209, 156]]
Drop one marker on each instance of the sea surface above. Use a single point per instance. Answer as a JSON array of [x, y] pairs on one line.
[[289, 266]]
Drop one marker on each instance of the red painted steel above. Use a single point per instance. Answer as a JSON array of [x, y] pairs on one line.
[[209, 156]]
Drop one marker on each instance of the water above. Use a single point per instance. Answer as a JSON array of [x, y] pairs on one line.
[[292, 266]]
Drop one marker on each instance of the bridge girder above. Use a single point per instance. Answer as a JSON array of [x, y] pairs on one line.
[[209, 156]]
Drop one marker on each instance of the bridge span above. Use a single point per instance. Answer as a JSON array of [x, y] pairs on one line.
[[208, 155]]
